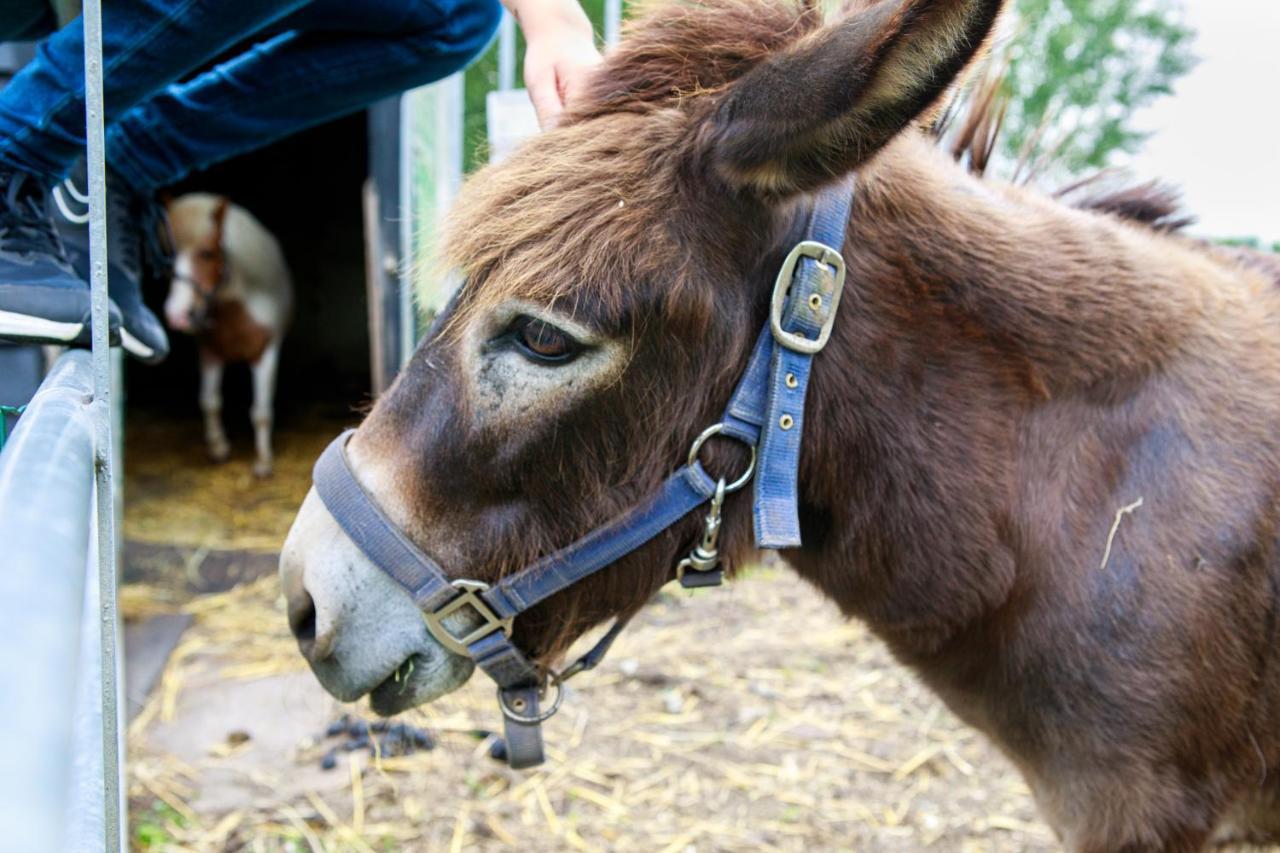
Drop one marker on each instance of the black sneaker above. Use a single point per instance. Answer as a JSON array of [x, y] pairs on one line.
[[136, 232], [42, 299]]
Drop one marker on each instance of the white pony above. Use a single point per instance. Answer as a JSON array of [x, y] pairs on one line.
[[232, 290]]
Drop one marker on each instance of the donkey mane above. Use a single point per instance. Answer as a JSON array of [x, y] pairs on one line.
[[675, 50], [970, 130]]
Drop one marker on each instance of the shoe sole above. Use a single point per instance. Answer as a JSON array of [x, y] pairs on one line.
[[38, 329], [135, 347]]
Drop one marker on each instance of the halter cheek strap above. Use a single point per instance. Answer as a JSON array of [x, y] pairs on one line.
[[766, 412]]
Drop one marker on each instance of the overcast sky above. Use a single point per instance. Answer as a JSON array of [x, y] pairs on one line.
[[1218, 137]]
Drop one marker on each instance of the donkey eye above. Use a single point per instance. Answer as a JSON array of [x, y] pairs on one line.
[[542, 341]]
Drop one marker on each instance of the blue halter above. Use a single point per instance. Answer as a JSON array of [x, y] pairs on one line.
[[766, 412]]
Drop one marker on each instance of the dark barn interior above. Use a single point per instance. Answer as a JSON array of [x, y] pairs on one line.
[[307, 191]]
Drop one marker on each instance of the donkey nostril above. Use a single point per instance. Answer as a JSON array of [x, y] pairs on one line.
[[302, 617], [315, 646], [302, 623], [320, 648]]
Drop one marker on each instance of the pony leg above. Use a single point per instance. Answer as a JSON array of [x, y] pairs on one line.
[[215, 439], [264, 389]]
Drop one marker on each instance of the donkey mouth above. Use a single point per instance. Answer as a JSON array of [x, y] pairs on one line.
[[417, 680], [395, 693]]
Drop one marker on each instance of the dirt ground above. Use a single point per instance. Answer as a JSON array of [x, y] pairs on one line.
[[746, 718]]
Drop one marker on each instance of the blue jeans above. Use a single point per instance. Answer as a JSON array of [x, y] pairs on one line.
[[314, 60]]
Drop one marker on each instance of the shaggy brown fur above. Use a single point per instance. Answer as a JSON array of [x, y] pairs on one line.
[[1007, 372]]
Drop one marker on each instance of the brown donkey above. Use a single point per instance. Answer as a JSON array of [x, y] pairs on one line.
[[1041, 457]]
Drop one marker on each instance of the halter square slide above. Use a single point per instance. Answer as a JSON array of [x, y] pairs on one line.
[[469, 597]]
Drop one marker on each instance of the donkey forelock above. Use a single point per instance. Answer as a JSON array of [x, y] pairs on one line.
[[607, 204], [572, 219]]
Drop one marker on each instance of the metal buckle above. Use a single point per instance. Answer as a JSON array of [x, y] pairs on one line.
[[469, 598], [823, 254]]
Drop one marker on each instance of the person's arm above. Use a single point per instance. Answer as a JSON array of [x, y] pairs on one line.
[[560, 52]]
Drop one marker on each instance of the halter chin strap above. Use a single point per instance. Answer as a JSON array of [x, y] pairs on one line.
[[766, 412]]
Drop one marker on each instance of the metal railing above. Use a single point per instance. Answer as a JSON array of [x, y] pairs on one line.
[[51, 658], [59, 657]]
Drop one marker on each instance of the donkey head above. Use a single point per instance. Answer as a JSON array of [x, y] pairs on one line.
[[616, 272], [200, 268]]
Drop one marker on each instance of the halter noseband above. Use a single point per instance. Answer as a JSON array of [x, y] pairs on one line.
[[766, 413]]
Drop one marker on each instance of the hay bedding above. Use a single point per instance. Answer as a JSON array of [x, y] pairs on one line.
[[175, 496], [718, 723]]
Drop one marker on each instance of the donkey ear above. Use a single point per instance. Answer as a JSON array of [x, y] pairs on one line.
[[219, 215], [219, 210], [830, 102]]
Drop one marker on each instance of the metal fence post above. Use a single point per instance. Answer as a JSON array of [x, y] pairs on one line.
[[436, 145], [612, 21], [507, 52], [404, 218], [104, 503]]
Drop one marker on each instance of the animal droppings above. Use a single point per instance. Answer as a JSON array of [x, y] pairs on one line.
[[382, 738]]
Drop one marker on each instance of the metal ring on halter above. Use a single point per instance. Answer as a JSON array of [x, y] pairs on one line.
[[716, 429], [531, 719]]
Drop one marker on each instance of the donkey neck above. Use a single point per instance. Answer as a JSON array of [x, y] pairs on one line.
[[968, 306], [1077, 296]]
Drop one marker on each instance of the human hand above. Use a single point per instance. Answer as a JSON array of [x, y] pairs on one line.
[[560, 53]]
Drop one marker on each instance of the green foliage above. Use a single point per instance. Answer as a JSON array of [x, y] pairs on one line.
[[1251, 243], [480, 79], [1241, 242], [1085, 67], [154, 828]]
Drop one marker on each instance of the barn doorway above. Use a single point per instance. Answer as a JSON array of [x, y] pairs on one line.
[[217, 524]]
